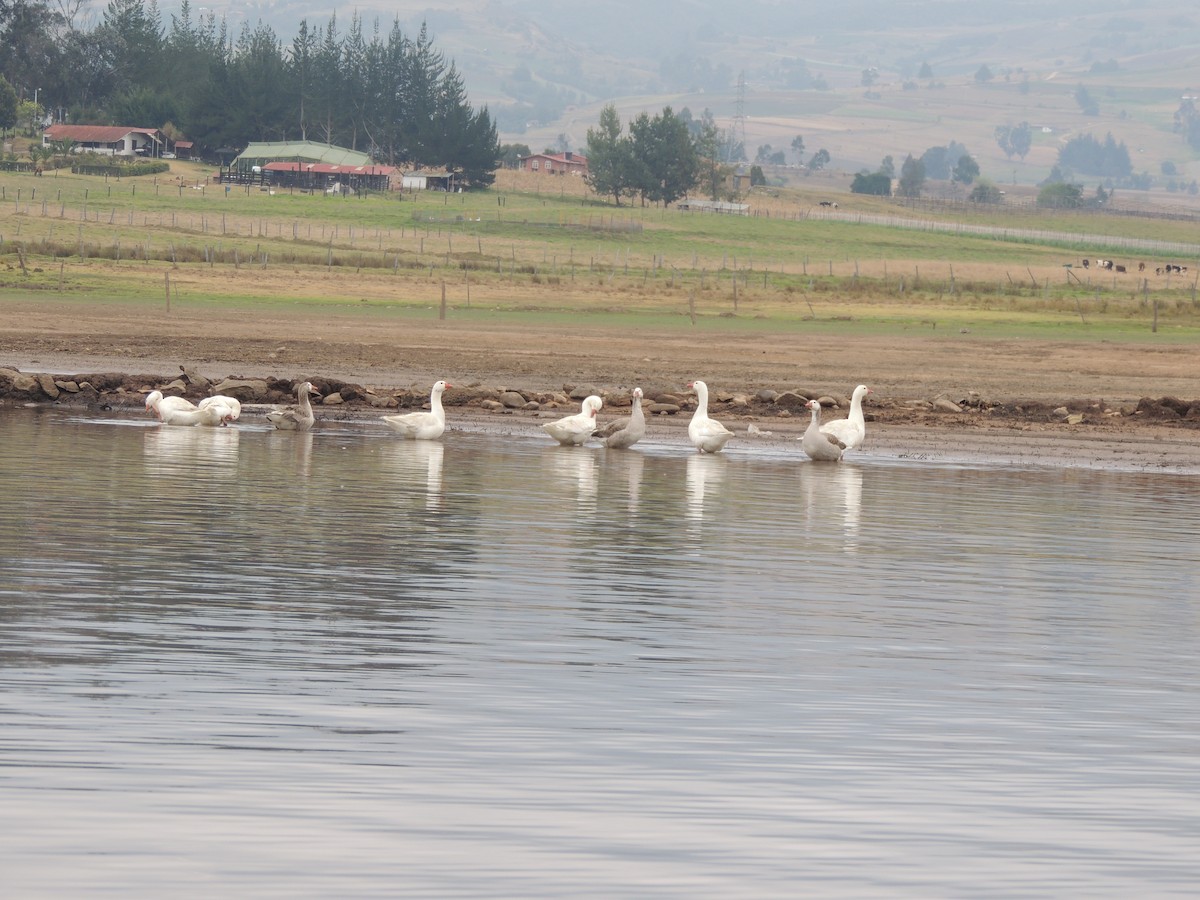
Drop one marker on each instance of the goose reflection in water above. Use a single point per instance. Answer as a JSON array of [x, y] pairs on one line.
[[630, 467], [415, 463], [181, 450], [705, 476], [575, 465], [295, 445], [831, 494]]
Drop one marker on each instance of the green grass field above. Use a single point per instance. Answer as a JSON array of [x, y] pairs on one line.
[[514, 253]]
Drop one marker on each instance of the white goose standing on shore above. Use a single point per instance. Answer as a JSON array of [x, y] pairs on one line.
[[707, 434], [852, 430], [816, 443], [634, 428], [572, 431], [422, 426], [295, 418]]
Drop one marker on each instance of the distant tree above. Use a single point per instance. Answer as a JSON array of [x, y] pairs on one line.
[[1021, 139], [985, 192], [798, 148], [756, 176], [8, 106], [511, 154], [819, 160], [710, 144], [888, 167], [869, 76], [1168, 167], [1057, 174], [1086, 154], [1003, 135], [666, 162], [926, 71], [562, 142], [1085, 101], [1187, 122], [877, 183], [763, 154], [983, 75], [1060, 195], [966, 171], [912, 178], [610, 157], [1102, 196], [939, 162]]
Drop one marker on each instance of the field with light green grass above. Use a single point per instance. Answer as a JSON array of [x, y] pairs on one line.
[[529, 253]]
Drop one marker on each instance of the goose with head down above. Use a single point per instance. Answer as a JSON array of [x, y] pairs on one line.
[[422, 426], [295, 418], [232, 403], [573, 431], [184, 413], [159, 405], [708, 435], [816, 443], [634, 428], [852, 430]]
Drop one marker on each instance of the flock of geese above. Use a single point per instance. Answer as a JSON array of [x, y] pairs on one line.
[[823, 443]]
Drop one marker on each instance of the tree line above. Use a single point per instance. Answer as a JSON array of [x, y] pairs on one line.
[[383, 92]]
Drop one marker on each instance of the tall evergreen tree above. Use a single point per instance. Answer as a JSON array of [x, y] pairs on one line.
[[609, 156]]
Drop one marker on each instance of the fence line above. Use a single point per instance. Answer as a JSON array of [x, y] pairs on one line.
[[1021, 235]]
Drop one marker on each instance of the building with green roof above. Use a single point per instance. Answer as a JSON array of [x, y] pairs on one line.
[[259, 153]]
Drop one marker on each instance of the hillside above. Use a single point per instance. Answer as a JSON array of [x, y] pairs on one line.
[[545, 76]]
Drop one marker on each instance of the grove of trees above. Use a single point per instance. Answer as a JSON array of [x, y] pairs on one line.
[[1015, 140], [1087, 155], [379, 91], [659, 159]]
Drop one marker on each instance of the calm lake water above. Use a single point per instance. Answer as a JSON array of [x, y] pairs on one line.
[[246, 663]]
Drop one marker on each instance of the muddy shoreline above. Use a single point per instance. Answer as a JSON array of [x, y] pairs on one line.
[[1160, 435]]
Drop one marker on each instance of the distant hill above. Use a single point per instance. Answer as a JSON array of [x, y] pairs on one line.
[[546, 70]]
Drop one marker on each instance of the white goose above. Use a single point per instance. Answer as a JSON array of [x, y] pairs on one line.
[[295, 418], [816, 443], [234, 405], [160, 405], [571, 431], [634, 428], [422, 426], [852, 430], [178, 411], [707, 434]]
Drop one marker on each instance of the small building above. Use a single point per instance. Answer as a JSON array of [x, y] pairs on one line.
[[183, 149], [715, 206], [567, 163], [428, 180], [109, 140]]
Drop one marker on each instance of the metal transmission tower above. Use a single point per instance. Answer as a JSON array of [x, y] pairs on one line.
[[737, 129]]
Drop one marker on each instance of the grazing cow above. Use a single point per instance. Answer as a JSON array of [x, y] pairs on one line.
[[828, 203], [1141, 267], [1085, 264], [1105, 264], [1120, 268], [1158, 271]]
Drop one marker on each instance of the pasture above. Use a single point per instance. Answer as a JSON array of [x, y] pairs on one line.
[[535, 248]]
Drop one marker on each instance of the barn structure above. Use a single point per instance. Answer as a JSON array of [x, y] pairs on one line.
[[308, 165]]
